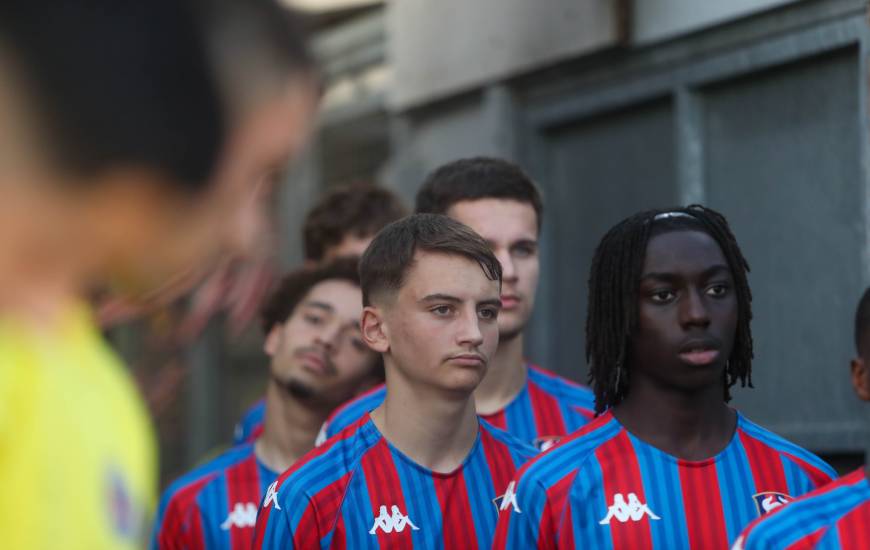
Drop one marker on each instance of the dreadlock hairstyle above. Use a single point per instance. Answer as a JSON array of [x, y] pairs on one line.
[[614, 282]]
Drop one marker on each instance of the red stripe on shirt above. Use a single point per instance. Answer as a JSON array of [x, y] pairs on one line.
[[178, 511], [385, 489], [817, 476], [621, 473], [557, 499], [240, 479], [766, 465], [854, 528], [497, 419], [499, 460], [548, 415], [702, 502], [457, 520]]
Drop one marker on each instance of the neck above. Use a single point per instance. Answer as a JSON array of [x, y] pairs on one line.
[[504, 379], [691, 425], [434, 430], [289, 429]]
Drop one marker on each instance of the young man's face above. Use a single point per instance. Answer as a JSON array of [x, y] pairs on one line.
[[318, 352], [511, 229], [860, 369], [687, 313], [441, 327]]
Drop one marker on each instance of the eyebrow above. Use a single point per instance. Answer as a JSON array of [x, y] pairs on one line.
[[707, 273], [454, 300], [320, 305]]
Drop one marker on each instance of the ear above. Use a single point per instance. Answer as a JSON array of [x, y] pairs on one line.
[[374, 332], [861, 378], [270, 346]]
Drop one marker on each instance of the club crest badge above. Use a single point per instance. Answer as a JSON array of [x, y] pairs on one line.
[[769, 501]]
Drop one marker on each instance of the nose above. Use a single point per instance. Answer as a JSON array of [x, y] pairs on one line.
[[508, 269], [328, 336], [694, 310], [469, 334]]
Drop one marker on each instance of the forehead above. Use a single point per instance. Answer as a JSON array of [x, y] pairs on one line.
[[497, 219], [344, 297], [438, 273], [682, 251]]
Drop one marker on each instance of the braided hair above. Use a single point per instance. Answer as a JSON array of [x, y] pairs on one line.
[[614, 282]]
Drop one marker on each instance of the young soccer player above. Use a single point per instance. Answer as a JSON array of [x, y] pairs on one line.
[[837, 516], [342, 224], [666, 464], [422, 470], [112, 125], [318, 360], [500, 202]]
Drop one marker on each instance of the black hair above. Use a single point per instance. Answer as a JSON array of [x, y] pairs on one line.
[[477, 178], [296, 284], [862, 320], [614, 282], [390, 255], [116, 82], [358, 209]]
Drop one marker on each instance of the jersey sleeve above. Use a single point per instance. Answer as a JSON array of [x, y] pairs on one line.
[[525, 523]]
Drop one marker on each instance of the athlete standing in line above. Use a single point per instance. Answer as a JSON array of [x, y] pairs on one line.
[[667, 463], [421, 470], [498, 201]]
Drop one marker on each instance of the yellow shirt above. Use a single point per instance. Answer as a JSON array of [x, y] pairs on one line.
[[77, 456]]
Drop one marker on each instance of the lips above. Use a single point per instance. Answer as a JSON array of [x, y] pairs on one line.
[[509, 301], [468, 360], [314, 362], [699, 352]]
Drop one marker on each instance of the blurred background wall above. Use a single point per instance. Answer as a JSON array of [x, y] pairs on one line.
[[757, 108]]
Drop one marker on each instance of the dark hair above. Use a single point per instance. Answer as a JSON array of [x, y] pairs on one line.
[[862, 319], [296, 284], [255, 44], [116, 82], [477, 178], [388, 258], [614, 282], [358, 209]]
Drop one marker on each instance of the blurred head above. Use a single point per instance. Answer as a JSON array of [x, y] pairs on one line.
[[431, 290], [860, 365], [313, 337], [669, 301], [501, 203], [112, 145], [346, 219], [115, 148]]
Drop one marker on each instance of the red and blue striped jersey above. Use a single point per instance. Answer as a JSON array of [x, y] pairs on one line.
[[358, 491], [250, 426], [547, 408], [604, 488], [215, 505], [835, 517]]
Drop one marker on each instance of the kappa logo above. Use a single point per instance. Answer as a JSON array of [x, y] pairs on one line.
[[243, 515], [392, 523], [769, 501], [508, 499], [623, 511], [272, 496]]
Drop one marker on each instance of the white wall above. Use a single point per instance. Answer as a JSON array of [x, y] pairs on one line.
[[654, 20]]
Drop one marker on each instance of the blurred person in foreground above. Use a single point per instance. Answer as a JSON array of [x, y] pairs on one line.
[[318, 360], [837, 516], [341, 224], [113, 121]]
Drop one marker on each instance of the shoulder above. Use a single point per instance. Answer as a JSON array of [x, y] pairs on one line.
[[572, 453], [809, 515], [816, 468], [520, 450], [568, 391], [352, 410], [194, 480]]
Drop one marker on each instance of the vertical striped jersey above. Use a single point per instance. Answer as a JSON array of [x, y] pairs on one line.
[[250, 426], [358, 491], [215, 505], [604, 488], [835, 517], [547, 408]]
